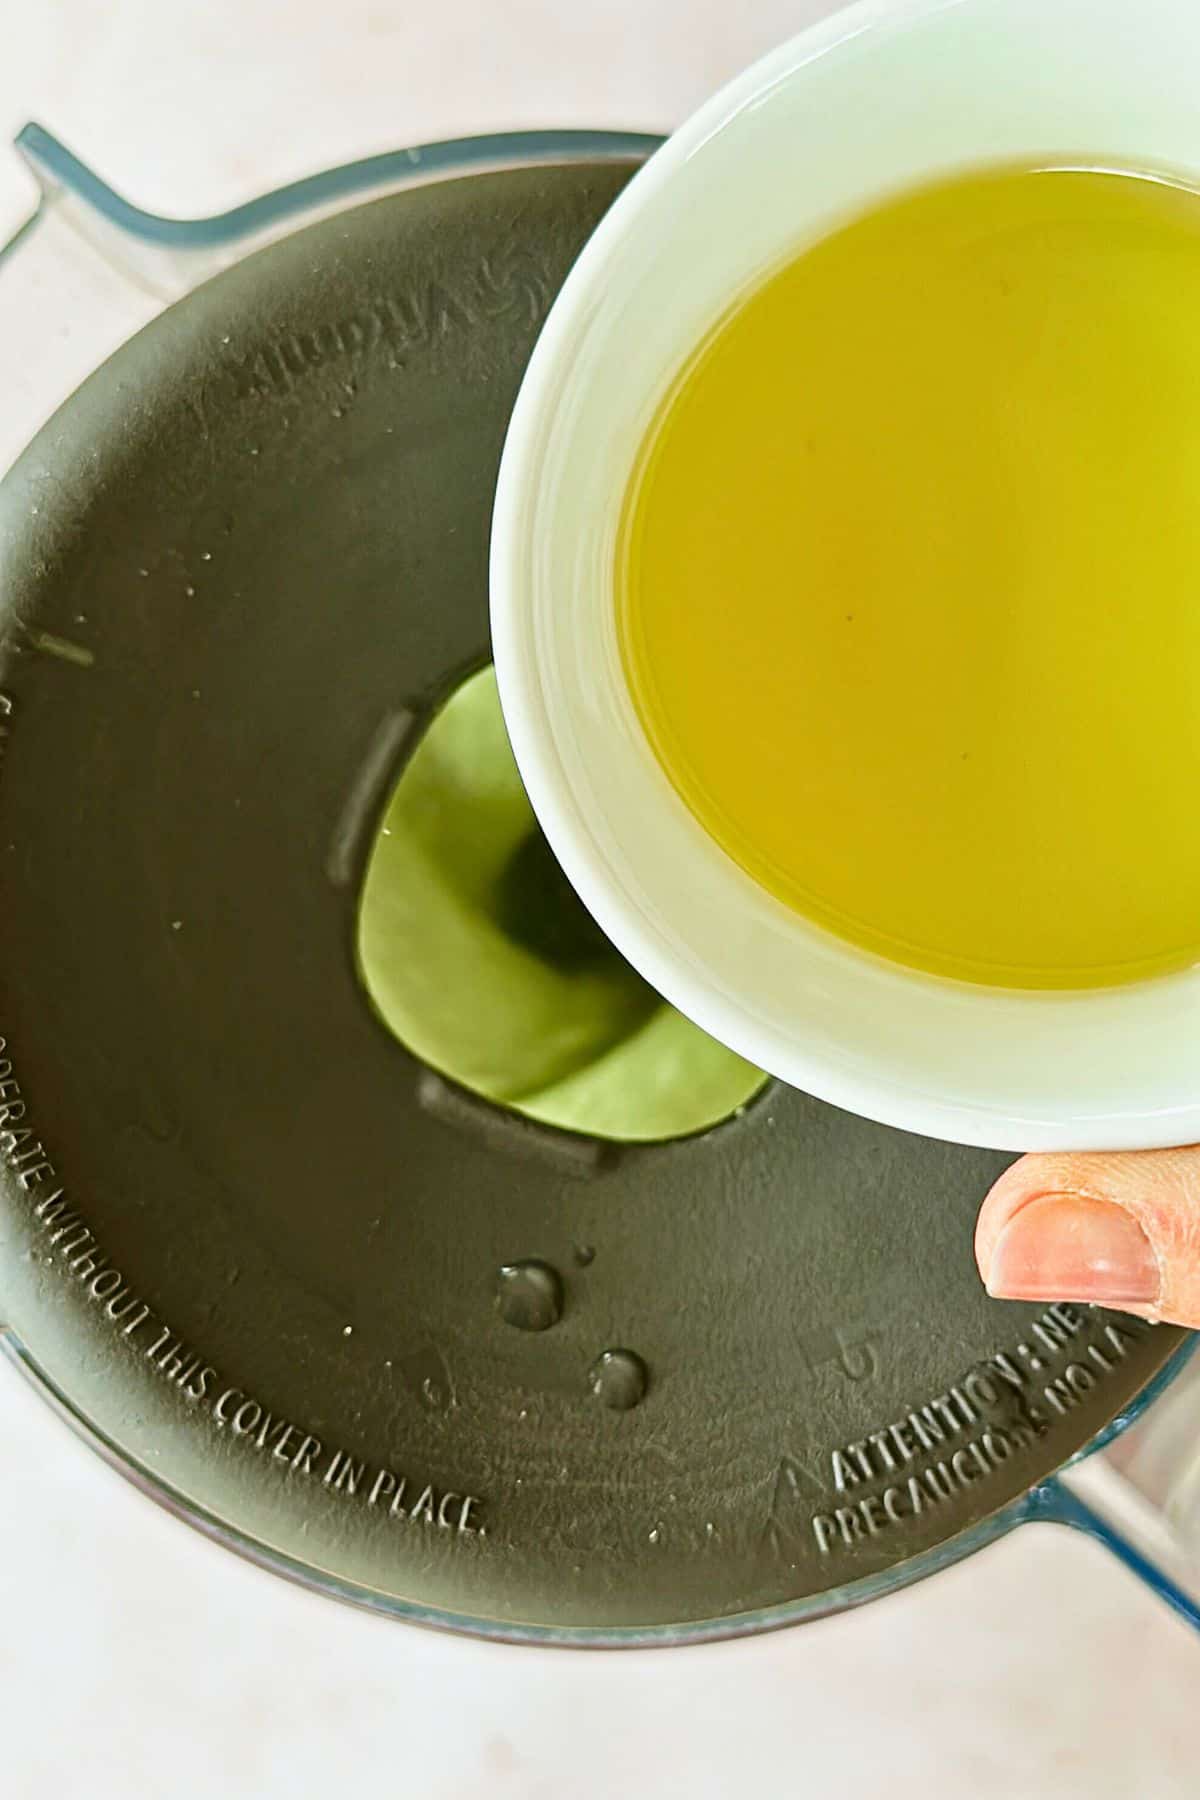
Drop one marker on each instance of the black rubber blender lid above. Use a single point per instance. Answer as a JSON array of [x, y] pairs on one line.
[[246, 1241]]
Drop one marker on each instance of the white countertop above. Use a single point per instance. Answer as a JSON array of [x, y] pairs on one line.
[[135, 1656]]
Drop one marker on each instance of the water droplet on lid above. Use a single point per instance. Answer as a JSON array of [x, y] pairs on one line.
[[190, 592], [206, 556], [347, 1330], [654, 1535], [176, 924], [585, 1254], [619, 1379], [710, 1529], [225, 339], [529, 1295], [143, 572]]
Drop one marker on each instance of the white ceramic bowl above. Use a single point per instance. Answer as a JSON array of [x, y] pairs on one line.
[[876, 98]]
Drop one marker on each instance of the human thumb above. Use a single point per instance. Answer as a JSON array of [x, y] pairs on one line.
[[1119, 1230]]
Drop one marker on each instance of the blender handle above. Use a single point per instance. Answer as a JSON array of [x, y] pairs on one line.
[[1139, 1495], [1131, 1529]]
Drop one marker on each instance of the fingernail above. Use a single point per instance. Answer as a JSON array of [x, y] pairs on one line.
[[1063, 1247]]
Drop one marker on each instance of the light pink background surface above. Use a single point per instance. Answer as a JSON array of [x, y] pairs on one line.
[[134, 1657]]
